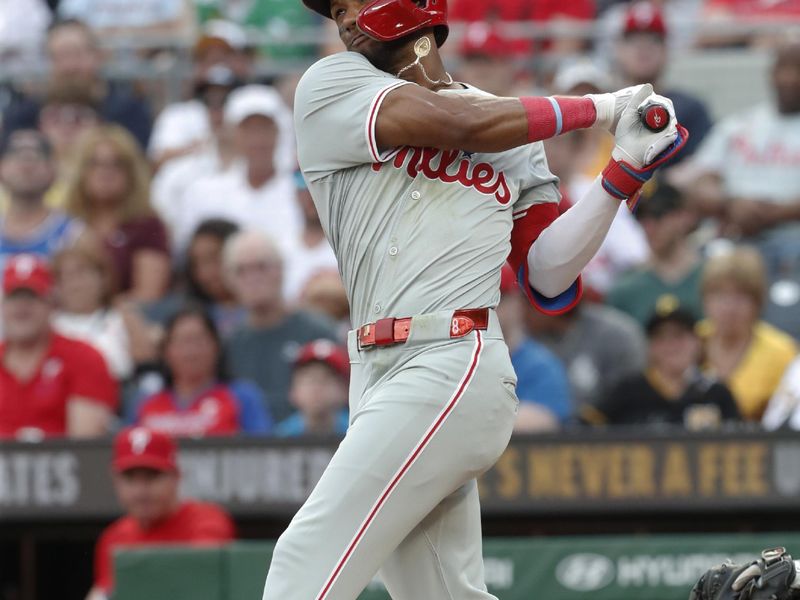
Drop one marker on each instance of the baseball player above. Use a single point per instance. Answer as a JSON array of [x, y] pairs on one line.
[[425, 187]]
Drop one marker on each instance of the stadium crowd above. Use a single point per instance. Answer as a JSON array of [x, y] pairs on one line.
[[167, 268]]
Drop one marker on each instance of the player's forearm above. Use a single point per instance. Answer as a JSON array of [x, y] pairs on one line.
[[557, 257], [477, 123], [519, 121]]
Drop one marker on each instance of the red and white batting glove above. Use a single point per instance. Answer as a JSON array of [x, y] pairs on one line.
[[610, 107], [639, 152]]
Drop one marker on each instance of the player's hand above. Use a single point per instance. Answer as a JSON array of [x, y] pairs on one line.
[[770, 578], [610, 107], [637, 145]]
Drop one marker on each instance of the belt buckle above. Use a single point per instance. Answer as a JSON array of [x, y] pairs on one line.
[[461, 326]]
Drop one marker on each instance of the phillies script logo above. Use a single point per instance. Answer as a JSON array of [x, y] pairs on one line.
[[436, 164]]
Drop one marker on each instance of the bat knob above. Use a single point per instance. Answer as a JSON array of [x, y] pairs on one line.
[[654, 116]]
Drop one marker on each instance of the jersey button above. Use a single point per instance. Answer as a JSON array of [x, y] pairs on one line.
[[377, 308], [393, 251], [416, 195]]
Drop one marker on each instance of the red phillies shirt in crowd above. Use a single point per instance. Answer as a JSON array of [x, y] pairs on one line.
[[521, 10], [540, 11], [194, 522], [755, 8], [215, 412], [69, 370]]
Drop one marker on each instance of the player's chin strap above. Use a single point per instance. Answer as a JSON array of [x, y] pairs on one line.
[[422, 47]]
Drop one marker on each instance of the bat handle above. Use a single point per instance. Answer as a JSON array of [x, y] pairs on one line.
[[654, 116]]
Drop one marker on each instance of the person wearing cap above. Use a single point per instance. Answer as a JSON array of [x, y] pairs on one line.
[[199, 399], [545, 401], [319, 389], [258, 191], [221, 62], [74, 55], [642, 54], [50, 385], [204, 144], [671, 390], [672, 273], [264, 348], [147, 479], [28, 225], [489, 61]]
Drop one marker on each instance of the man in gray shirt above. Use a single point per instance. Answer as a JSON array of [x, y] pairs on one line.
[[264, 350]]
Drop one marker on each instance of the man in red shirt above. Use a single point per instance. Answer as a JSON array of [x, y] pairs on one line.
[[50, 385], [146, 480]]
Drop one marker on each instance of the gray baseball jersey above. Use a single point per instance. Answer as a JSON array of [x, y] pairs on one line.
[[414, 230], [418, 233]]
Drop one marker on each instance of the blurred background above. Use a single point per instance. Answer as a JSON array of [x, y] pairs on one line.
[[164, 268]]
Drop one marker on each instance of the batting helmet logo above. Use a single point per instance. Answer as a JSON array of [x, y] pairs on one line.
[[388, 20]]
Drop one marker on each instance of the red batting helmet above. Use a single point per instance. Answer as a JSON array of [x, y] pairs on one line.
[[387, 20]]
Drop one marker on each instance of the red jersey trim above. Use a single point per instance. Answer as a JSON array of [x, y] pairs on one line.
[[372, 140]]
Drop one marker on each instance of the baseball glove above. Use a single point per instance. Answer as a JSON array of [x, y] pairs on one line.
[[769, 578]]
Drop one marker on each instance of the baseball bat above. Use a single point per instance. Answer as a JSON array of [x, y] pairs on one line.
[[654, 116]]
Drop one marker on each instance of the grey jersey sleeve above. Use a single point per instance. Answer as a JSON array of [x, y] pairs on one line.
[[336, 109], [538, 185]]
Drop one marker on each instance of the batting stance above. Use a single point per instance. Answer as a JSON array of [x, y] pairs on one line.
[[425, 187]]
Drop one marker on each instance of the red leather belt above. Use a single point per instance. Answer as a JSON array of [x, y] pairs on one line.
[[390, 331]]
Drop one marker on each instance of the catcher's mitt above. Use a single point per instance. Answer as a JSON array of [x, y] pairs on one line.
[[769, 578]]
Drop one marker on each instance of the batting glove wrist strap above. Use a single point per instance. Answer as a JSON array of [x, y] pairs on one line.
[[624, 181]]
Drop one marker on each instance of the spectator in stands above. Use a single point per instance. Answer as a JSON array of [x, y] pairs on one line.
[[109, 190], [543, 11], [597, 344], [265, 348], [749, 355], [313, 254], [199, 399], [783, 409], [542, 385], [75, 57], [672, 275], [487, 60], [221, 63], [212, 154], [204, 281], [50, 385], [147, 480], [84, 281], [729, 16], [23, 28], [27, 171], [154, 19], [671, 390], [68, 111], [259, 191], [750, 180], [318, 391], [641, 57], [324, 294]]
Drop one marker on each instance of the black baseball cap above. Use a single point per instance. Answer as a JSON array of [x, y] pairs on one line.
[[661, 201], [675, 315]]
